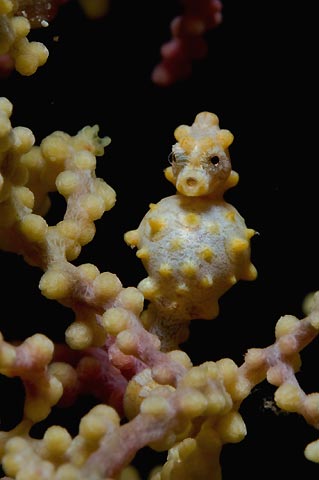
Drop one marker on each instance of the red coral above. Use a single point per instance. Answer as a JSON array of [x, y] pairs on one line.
[[6, 65], [187, 42], [38, 11]]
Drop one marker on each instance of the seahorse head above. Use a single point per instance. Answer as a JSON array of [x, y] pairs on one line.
[[200, 160]]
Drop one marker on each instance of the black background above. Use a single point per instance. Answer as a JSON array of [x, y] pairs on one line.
[[259, 78]]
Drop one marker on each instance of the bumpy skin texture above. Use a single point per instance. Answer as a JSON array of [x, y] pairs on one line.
[[194, 245]]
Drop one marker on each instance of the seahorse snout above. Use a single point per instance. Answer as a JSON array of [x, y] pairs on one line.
[[192, 182]]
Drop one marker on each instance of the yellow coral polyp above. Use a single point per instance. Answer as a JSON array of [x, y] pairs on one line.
[[56, 441], [88, 272], [155, 406], [131, 299], [6, 6], [5, 127], [55, 284], [106, 286], [67, 472], [79, 335], [193, 403], [288, 397], [67, 182], [97, 422], [285, 325], [87, 233], [231, 428], [29, 56], [104, 191], [7, 357], [93, 206], [14, 462], [85, 160], [127, 342], [68, 229], [312, 451], [20, 26], [196, 377], [55, 148], [115, 320]]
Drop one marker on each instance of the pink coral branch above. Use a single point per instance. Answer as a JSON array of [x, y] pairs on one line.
[[98, 377], [28, 358], [119, 447], [279, 363], [187, 43]]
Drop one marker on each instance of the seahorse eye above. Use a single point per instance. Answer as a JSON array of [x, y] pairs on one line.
[[214, 160]]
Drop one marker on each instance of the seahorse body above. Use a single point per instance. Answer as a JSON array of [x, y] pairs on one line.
[[194, 245]]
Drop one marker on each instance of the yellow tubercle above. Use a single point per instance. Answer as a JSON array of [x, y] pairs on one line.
[[250, 232], [206, 253], [206, 281], [148, 287], [132, 238], [232, 180], [187, 143], [192, 220], [169, 175], [181, 131], [238, 245], [230, 216], [250, 273], [143, 253], [225, 138], [156, 224], [165, 270], [189, 269]]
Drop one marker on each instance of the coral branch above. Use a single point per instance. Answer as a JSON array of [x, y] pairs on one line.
[[187, 43], [123, 354]]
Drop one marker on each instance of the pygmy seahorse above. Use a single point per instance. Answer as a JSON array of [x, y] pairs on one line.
[[194, 245]]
